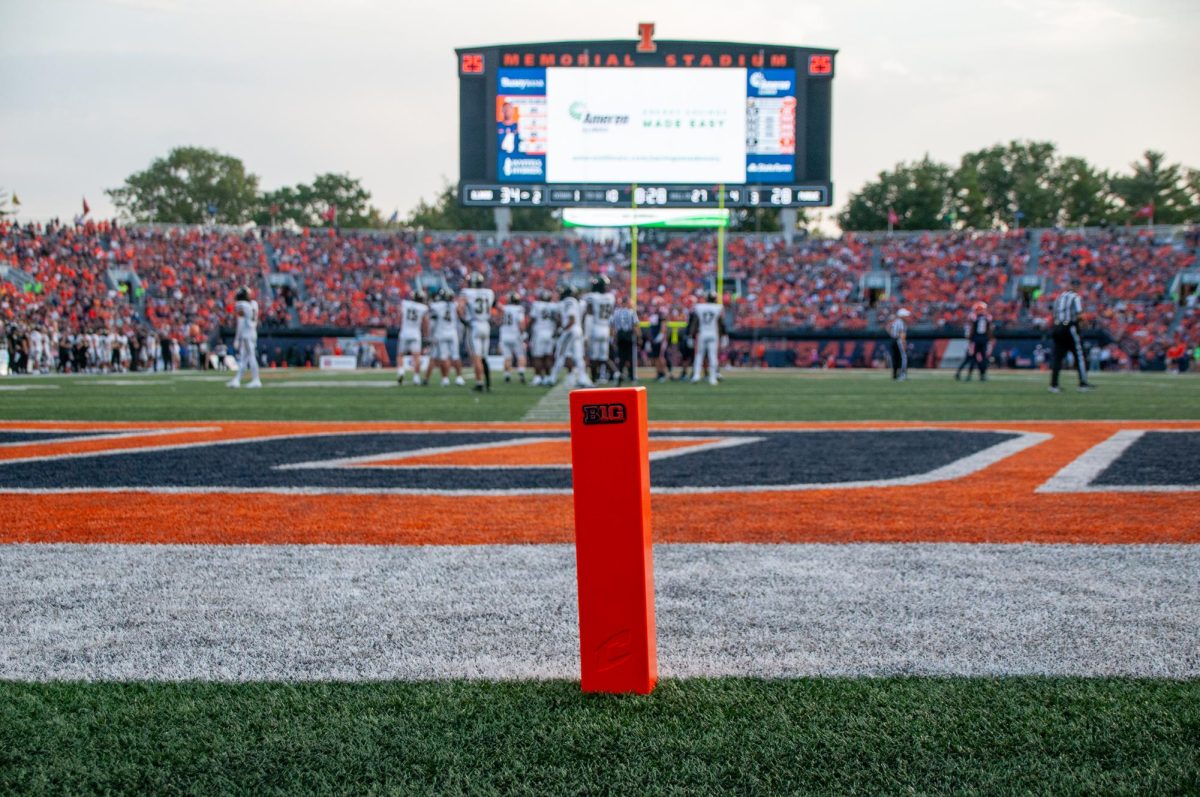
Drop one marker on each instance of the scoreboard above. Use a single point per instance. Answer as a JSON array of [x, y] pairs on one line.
[[645, 123]]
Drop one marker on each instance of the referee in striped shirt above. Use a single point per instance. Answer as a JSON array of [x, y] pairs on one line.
[[625, 324], [1067, 309]]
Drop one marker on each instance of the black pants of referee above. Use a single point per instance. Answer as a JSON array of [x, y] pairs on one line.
[[1067, 341], [626, 357], [899, 360]]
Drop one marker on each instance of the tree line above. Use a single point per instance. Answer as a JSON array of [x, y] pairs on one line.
[[1022, 183], [194, 185]]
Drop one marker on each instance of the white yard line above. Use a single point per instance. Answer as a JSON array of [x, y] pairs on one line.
[[554, 406]]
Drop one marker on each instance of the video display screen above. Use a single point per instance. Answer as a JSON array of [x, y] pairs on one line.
[[645, 122], [597, 125]]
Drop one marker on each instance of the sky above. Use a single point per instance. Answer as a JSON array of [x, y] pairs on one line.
[[92, 91]]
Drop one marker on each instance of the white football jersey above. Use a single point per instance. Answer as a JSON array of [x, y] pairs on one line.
[[570, 310], [411, 314], [513, 316], [707, 317], [479, 303], [247, 318], [544, 315], [445, 325], [600, 306]]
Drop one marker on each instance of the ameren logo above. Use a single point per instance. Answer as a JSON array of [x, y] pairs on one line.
[[521, 83], [769, 87], [579, 112]]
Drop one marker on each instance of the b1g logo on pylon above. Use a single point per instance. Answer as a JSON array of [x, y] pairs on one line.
[[603, 413]]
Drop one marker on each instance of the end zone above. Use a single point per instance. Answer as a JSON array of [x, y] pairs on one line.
[[500, 483]]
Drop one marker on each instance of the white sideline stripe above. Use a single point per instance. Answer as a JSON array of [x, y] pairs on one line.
[[237, 441], [354, 613], [297, 491], [1078, 475], [726, 442], [122, 435], [955, 470], [363, 463], [359, 462], [348, 383], [17, 388], [118, 382], [554, 406]]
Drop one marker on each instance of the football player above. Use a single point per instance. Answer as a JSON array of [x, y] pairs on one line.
[[444, 351], [710, 327], [35, 350], [598, 310], [245, 342], [983, 339], [414, 328], [968, 361], [570, 339], [512, 336], [543, 321], [659, 336], [477, 312]]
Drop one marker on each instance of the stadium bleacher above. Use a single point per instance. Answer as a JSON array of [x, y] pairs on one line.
[[61, 277]]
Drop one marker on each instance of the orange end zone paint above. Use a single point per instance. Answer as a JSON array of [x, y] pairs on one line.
[[614, 561], [998, 504]]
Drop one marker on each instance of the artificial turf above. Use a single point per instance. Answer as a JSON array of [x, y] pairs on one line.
[[813, 736], [774, 395], [734, 736]]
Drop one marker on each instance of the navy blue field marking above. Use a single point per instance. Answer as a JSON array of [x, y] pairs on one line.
[[253, 464], [1155, 458], [44, 435], [775, 458], [822, 457]]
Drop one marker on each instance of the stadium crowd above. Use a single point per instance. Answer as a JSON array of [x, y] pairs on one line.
[[942, 276], [170, 289]]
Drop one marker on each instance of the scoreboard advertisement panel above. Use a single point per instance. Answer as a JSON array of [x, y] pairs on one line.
[[671, 124]]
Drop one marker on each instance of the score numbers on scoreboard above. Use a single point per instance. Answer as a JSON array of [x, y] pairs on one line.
[[662, 196]]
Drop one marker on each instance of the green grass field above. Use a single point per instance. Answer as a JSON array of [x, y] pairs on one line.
[[750, 396], [803, 736], [1013, 735]]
